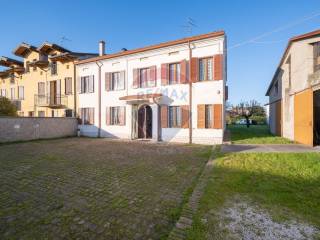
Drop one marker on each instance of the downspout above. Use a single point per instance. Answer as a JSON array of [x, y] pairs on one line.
[[99, 64], [158, 119], [190, 93], [75, 90]]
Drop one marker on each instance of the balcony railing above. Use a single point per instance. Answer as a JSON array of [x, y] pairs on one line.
[[52, 101]]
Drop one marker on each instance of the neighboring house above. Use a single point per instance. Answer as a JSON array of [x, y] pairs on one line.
[[145, 93], [294, 92], [42, 85]]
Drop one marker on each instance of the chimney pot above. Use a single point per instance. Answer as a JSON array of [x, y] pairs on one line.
[[102, 48]]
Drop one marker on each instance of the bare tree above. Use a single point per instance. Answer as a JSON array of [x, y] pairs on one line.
[[247, 109]]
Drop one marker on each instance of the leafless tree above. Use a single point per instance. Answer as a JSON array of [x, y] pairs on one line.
[[247, 109]]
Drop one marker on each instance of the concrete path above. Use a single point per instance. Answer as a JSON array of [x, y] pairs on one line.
[[296, 148]]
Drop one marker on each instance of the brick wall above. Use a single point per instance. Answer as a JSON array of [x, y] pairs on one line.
[[21, 129]]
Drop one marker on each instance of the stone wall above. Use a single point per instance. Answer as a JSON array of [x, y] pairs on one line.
[[30, 128]]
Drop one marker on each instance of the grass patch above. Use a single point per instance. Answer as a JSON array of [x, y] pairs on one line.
[[286, 184], [256, 134]]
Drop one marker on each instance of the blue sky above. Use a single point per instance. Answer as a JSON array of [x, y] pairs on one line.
[[133, 24]]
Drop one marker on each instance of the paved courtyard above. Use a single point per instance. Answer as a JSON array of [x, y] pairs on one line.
[[81, 188]]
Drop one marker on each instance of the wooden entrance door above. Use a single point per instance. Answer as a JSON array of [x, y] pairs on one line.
[[145, 122], [53, 92]]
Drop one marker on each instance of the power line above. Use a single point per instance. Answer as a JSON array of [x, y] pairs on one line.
[[279, 29]]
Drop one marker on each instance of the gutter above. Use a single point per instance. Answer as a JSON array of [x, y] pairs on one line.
[[75, 90]]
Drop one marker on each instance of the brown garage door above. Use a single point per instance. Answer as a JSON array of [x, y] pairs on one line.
[[303, 117]]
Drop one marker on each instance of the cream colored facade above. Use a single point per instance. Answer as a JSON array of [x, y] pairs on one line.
[[296, 83], [44, 74]]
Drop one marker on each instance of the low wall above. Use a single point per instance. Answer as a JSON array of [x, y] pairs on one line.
[[30, 128]]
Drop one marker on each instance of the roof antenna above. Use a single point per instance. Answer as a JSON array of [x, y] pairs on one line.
[[63, 39], [189, 26]]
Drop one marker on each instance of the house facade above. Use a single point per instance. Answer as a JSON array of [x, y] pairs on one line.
[[42, 84], [173, 91], [294, 92]]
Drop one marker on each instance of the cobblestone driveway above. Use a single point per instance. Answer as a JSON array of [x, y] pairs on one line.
[[82, 188]]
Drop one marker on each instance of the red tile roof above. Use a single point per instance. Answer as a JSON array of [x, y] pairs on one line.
[[152, 47]]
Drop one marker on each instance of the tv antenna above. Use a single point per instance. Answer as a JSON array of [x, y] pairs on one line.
[[64, 39], [189, 26]]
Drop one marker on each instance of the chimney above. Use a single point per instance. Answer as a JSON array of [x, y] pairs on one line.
[[102, 48]]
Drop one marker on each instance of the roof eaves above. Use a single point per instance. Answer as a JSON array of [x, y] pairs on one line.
[[153, 47]]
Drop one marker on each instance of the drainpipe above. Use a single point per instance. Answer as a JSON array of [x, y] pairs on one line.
[[190, 94], [75, 90], [99, 64]]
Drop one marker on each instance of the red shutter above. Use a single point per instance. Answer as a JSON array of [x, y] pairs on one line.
[[217, 116], [164, 74], [185, 116], [135, 83], [164, 116], [108, 81], [201, 116], [122, 116], [153, 75], [194, 69], [218, 67], [183, 71], [108, 115]]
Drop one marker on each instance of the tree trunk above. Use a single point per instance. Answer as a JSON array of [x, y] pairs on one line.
[[247, 121]]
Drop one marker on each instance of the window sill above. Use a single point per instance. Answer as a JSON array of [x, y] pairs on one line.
[[117, 90], [86, 93]]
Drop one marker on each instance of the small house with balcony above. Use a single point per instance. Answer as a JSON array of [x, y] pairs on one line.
[[43, 83]]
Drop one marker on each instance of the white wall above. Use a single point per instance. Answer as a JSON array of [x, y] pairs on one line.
[[301, 53], [211, 92]]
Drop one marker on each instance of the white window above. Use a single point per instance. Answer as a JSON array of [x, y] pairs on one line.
[[3, 93], [87, 116], [147, 78], [208, 116], [175, 117], [87, 84], [174, 73], [12, 93], [205, 69], [117, 81], [116, 116], [21, 92]]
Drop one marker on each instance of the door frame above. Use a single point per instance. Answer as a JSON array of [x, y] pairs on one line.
[[144, 131]]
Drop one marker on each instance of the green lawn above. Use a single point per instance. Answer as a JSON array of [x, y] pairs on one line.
[[256, 134], [287, 185]]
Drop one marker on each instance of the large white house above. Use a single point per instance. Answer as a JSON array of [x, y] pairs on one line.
[[147, 93]]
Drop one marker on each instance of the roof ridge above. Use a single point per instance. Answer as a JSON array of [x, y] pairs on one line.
[[155, 46]]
